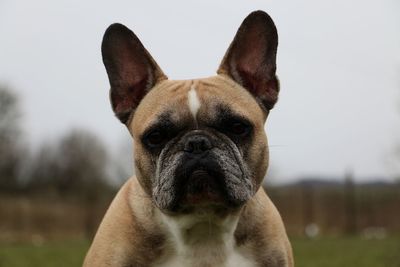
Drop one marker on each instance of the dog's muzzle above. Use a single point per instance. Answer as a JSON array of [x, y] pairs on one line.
[[199, 170]]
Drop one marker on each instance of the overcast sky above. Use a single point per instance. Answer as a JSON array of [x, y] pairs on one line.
[[338, 62]]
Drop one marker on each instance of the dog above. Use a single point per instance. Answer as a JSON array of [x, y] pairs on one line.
[[200, 153]]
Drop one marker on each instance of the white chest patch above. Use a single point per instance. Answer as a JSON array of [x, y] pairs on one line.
[[233, 259], [193, 101], [203, 244]]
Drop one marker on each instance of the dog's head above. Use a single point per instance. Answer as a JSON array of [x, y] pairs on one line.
[[197, 142]]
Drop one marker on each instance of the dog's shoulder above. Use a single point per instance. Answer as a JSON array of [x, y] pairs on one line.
[[261, 231], [122, 238]]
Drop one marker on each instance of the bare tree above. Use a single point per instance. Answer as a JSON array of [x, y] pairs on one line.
[[74, 166], [10, 134], [77, 164], [122, 165]]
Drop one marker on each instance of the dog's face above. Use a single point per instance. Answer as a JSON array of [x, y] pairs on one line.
[[197, 142]]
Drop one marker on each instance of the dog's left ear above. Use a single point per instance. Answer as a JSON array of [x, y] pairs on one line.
[[251, 58]]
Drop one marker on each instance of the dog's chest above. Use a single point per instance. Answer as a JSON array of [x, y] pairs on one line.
[[210, 256], [198, 241]]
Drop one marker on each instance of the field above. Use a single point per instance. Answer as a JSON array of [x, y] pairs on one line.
[[326, 252], [65, 254], [347, 252]]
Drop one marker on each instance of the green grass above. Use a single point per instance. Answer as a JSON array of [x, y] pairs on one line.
[[54, 254], [347, 252], [325, 252]]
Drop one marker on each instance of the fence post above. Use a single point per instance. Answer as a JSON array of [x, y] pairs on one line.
[[350, 204], [307, 196]]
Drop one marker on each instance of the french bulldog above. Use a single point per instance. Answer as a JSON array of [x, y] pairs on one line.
[[200, 154]]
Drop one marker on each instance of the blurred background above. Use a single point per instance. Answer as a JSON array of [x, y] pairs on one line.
[[334, 134]]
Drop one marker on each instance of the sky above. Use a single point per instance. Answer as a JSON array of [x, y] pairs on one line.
[[338, 63]]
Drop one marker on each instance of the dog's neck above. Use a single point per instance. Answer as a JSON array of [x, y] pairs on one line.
[[200, 239], [200, 228]]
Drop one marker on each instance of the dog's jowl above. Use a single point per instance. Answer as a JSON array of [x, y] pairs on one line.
[[201, 154]]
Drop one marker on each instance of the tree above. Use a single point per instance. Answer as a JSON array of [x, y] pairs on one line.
[[10, 140], [76, 164]]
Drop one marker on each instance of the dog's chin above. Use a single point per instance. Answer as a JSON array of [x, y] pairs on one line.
[[204, 191]]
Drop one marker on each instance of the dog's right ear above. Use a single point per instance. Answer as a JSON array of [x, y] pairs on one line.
[[131, 70]]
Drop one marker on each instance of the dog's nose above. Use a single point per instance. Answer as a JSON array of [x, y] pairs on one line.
[[197, 144]]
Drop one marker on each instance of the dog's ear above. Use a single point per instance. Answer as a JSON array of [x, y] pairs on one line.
[[131, 70], [251, 58]]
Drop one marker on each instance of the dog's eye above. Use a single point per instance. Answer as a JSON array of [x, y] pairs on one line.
[[155, 138], [239, 128]]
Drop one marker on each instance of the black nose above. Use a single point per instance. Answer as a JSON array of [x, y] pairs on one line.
[[197, 144]]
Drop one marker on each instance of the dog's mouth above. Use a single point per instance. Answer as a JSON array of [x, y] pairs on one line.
[[200, 183], [203, 187]]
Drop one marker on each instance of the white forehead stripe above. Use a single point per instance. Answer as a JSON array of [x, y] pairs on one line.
[[193, 101]]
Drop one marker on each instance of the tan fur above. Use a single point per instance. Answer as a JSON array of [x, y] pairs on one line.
[[133, 233], [131, 221]]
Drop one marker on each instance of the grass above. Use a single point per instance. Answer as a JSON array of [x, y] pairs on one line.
[[347, 252], [325, 252], [54, 254]]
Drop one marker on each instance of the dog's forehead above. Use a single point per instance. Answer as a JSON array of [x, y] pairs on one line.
[[190, 100]]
